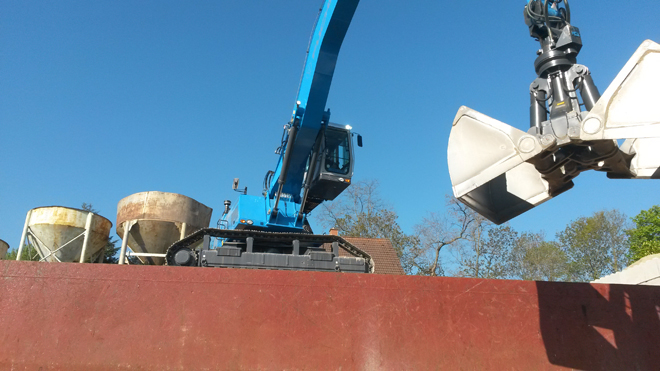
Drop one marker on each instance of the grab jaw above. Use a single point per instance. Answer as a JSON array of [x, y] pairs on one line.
[[502, 172]]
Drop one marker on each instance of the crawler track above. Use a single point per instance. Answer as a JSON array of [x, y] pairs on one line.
[[266, 238]]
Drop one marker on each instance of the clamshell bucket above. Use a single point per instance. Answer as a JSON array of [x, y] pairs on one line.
[[501, 172], [489, 169], [629, 109]]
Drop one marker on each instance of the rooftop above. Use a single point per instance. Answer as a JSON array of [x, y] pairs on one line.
[[381, 250]]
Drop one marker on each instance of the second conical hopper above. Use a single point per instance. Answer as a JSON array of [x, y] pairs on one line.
[[156, 220]]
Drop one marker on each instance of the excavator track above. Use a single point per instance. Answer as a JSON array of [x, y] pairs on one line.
[[264, 238]]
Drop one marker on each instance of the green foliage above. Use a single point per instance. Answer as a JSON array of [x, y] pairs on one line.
[[89, 207], [487, 251], [533, 258], [644, 239], [595, 246], [463, 243], [29, 253], [496, 254], [377, 223], [360, 212], [110, 250]]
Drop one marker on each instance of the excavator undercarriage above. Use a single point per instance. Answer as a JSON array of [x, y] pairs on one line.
[[268, 250]]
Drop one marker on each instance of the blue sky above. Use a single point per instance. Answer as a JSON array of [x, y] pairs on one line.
[[103, 99]]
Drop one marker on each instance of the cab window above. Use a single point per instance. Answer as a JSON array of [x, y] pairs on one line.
[[337, 155]]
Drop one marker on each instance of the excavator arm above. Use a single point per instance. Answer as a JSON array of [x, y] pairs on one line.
[[309, 114], [315, 156]]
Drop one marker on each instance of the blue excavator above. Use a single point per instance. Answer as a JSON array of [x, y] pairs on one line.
[[315, 164], [502, 172]]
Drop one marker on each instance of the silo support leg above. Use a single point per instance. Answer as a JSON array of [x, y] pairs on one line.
[[23, 235], [88, 230], [124, 243], [183, 231]]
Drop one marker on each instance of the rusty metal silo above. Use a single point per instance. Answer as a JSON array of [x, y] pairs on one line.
[[149, 222], [64, 234]]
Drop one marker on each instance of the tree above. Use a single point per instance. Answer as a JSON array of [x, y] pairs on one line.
[[360, 212], [110, 252], [533, 258], [644, 239], [29, 253], [595, 245], [110, 249], [486, 252], [435, 233], [479, 248]]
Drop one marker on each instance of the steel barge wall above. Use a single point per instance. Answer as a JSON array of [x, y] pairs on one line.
[[105, 317]]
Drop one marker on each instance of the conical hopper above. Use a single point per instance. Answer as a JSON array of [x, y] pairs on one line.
[[156, 220], [57, 233], [3, 249]]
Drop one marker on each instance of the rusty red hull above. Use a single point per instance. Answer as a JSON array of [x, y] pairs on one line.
[[103, 317]]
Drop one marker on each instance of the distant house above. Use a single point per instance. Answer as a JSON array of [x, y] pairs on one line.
[[646, 271], [381, 250]]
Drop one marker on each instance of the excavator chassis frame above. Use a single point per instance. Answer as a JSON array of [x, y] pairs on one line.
[[238, 251]]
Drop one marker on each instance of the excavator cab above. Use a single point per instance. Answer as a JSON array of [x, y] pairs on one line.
[[333, 170]]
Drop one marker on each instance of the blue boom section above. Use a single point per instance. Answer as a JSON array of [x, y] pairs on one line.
[[331, 27], [309, 117]]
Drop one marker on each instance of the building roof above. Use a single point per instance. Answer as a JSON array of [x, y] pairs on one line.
[[646, 271], [381, 250]]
